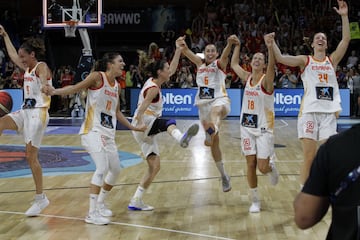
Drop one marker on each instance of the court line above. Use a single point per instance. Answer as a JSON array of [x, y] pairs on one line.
[[137, 183], [285, 124], [232, 161], [127, 225]]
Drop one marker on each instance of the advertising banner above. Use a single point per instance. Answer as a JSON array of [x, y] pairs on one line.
[[180, 102], [287, 102], [154, 19]]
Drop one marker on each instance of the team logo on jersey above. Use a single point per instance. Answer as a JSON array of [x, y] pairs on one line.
[[106, 121], [249, 120], [29, 103], [206, 93], [324, 93]]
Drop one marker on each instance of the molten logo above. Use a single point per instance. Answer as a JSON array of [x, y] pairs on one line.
[[281, 98], [171, 98]]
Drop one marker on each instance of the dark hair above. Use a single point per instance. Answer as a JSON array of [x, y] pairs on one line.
[[101, 64], [154, 66], [311, 40], [35, 45]]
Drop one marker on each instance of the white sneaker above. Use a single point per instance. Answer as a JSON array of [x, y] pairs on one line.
[[255, 207], [137, 204], [37, 206], [192, 131], [96, 218], [274, 174], [103, 210]]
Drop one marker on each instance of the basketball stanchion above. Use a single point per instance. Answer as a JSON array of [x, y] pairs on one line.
[[70, 28]]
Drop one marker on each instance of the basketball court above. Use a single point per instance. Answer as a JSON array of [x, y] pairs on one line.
[[187, 193]]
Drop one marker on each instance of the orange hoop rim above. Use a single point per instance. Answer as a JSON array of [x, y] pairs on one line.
[[71, 23]]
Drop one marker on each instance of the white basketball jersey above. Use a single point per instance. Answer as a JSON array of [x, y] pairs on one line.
[[321, 89], [211, 83], [33, 97], [100, 112], [257, 111], [156, 106]]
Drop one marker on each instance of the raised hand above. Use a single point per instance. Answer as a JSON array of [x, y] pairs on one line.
[[269, 39], [233, 39], [180, 42], [2, 31], [343, 8]]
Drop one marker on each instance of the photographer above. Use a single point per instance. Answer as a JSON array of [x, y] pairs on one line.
[[288, 80]]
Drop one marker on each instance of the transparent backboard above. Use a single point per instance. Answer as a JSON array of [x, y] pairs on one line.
[[87, 13]]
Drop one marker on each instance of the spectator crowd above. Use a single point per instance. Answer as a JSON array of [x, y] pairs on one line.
[[292, 21]]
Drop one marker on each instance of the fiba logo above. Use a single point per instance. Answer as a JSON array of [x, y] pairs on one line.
[[309, 127], [246, 144], [6, 103]]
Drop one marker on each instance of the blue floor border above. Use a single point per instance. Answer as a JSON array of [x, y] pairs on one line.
[[55, 160]]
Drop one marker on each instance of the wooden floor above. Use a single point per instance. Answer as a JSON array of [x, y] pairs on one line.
[[187, 195]]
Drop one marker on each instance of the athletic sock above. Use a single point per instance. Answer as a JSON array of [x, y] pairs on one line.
[[177, 134], [220, 167], [254, 195], [93, 201], [102, 196], [139, 192]]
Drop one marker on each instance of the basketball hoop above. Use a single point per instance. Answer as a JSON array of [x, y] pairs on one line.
[[70, 28]]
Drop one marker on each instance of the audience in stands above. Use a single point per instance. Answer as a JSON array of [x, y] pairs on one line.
[[249, 20]]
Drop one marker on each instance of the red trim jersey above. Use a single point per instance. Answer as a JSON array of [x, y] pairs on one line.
[[321, 89], [156, 106], [100, 112], [257, 111], [211, 83], [33, 97]]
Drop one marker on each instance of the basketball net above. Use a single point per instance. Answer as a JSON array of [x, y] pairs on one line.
[[70, 28]]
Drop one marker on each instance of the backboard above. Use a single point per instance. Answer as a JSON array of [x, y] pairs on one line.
[[87, 13]]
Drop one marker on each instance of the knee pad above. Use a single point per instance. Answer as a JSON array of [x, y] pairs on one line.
[[170, 122], [112, 176], [114, 169], [102, 168], [98, 178]]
